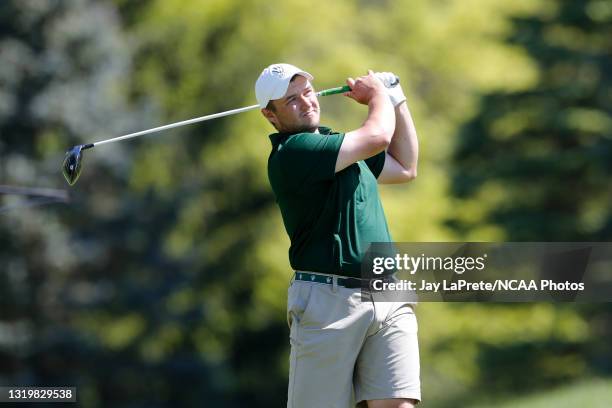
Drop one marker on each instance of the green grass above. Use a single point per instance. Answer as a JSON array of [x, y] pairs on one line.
[[595, 393]]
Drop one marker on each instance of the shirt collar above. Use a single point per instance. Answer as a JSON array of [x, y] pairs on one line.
[[277, 138]]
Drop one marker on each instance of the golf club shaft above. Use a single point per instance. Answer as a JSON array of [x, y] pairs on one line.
[[325, 92], [176, 124]]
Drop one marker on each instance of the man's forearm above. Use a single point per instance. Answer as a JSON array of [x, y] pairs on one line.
[[404, 145], [381, 118]]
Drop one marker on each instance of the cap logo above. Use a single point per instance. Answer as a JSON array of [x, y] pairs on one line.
[[277, 70]]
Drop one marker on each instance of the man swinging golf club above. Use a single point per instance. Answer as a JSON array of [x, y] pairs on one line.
[[343, 350]]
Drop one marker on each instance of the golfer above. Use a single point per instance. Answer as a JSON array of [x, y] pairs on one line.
[[345, 351]]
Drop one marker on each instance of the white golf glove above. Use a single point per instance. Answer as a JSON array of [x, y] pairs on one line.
[[395, 92]]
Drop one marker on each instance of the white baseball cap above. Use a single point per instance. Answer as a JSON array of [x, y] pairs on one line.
[[274, 81]]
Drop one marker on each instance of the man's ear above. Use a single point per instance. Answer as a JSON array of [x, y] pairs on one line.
[[271, 116]]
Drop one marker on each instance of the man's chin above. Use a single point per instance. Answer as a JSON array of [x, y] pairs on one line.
[[310, 127], [314, 124]]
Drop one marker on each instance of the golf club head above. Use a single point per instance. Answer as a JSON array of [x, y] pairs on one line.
[[72, 163]]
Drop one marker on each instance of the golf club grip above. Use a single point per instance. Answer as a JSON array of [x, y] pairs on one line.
[[332, 91], [346, 88]]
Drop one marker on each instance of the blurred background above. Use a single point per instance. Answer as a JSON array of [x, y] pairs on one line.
[[160, 279]]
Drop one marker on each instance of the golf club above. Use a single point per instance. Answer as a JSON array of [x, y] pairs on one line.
[[74, 156]]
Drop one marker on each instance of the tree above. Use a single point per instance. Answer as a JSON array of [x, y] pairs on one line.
[[540, 159], [536, 164]]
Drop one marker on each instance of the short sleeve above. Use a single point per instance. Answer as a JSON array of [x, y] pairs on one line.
[[376, 163], [308, 158]]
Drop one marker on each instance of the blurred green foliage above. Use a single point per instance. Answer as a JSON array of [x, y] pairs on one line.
[[592, 394], [163, 281]]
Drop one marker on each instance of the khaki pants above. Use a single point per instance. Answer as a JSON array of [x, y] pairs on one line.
[[345, 350]]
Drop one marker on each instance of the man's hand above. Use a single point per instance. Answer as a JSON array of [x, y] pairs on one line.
[[376, 132], [365, 88], [396, 94]]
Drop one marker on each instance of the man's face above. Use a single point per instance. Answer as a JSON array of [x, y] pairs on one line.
[[298, 110]]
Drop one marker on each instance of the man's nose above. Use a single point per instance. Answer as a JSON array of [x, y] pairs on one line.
[[305, 101]]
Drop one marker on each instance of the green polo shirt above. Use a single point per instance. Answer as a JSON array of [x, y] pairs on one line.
[[331, 218]]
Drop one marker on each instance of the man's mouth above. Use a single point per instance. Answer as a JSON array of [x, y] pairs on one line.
[[309, 113]]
